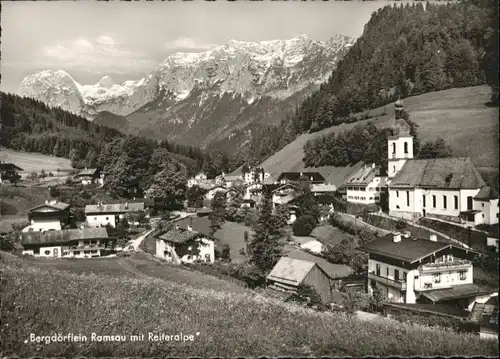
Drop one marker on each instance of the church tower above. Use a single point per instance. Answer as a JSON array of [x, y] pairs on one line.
[[400, 144]]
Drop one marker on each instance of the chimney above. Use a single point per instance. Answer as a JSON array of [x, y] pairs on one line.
[[396, 237], [433, 237]]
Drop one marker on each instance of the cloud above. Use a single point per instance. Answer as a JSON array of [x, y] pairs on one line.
[[187, 43], [105, 40], [101, 54]]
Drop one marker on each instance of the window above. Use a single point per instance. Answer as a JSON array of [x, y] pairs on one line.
[[456, 201], [416, 277], [408, 198], [406, 147], [404, 276], [469, 203], [393, 148], [387, 272], [377, 269], [107, 218], [77, 253], [423, 200], [433, 201], [36, 251], [444, 202], [437, 277], [397, 194], [462, 274], [47, 252], [393, 169], [95, 218], [377, 198], [396, 274], [482, 204]]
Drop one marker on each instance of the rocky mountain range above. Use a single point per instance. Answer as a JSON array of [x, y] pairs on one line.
[[216, 96]]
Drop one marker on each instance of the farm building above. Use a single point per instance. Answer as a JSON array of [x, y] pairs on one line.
[[181, 245], [486, 315], [289, 273], [69, 243], [90, 176], [52, 215], [8, 171], [100, 215]]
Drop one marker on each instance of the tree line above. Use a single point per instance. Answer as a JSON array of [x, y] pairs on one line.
[[404, 50]]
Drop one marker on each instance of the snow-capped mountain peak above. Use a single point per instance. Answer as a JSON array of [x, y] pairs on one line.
[[274, 69]]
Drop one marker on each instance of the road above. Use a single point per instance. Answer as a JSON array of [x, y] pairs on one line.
[[137, 242]]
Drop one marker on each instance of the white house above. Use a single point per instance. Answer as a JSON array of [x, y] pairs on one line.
[[443, 188], [69, 243], [91, 175], [255, 175], [185, 246], [414, 270], [52, 215], [366, 185], [196, 180], [100, 215]]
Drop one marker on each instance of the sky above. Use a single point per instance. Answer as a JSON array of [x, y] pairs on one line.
[[126, 40]]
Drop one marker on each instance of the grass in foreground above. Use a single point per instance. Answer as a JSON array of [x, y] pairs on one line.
[[44, 302]]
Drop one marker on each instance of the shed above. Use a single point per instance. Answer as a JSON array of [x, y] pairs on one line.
[[289, 273]]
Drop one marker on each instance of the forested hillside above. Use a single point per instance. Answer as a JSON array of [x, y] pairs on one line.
[[31, 126], [404, 50]]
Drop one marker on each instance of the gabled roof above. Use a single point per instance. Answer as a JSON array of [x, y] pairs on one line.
[[59, 206], [64, 236], [87, 172], [452, 172], [408, 249], [198, 224], [486, 193], [364, 175], [115, 208], [291, 271], [180, 235], [9, 167], [486, 313], [295, 176]]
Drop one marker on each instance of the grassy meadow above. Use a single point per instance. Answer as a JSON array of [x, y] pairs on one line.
[[35, 162], [458, 115], [45, 301]]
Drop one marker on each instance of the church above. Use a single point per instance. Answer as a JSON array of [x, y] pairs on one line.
[[444, 188]]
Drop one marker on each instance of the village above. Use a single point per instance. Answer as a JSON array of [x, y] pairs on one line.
[[424, 272]]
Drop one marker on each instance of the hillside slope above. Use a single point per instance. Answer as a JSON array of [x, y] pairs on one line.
[[460, 116], [222, 323]]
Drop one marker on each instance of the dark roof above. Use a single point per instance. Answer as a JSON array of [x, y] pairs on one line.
[[364, 175], [56, 205], [180, 235], [87, 172], [487, 193], [453, 172], [64, 236], [432, 308], [115, 208], [408, 249], [295, 176], [9, 167], [198, 224], [456, 292]]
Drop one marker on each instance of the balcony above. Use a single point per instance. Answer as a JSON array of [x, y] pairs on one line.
[[455, 264], [398, 284]]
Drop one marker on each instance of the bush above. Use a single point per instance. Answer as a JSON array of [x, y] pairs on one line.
[[304, 225], [401, 224]]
